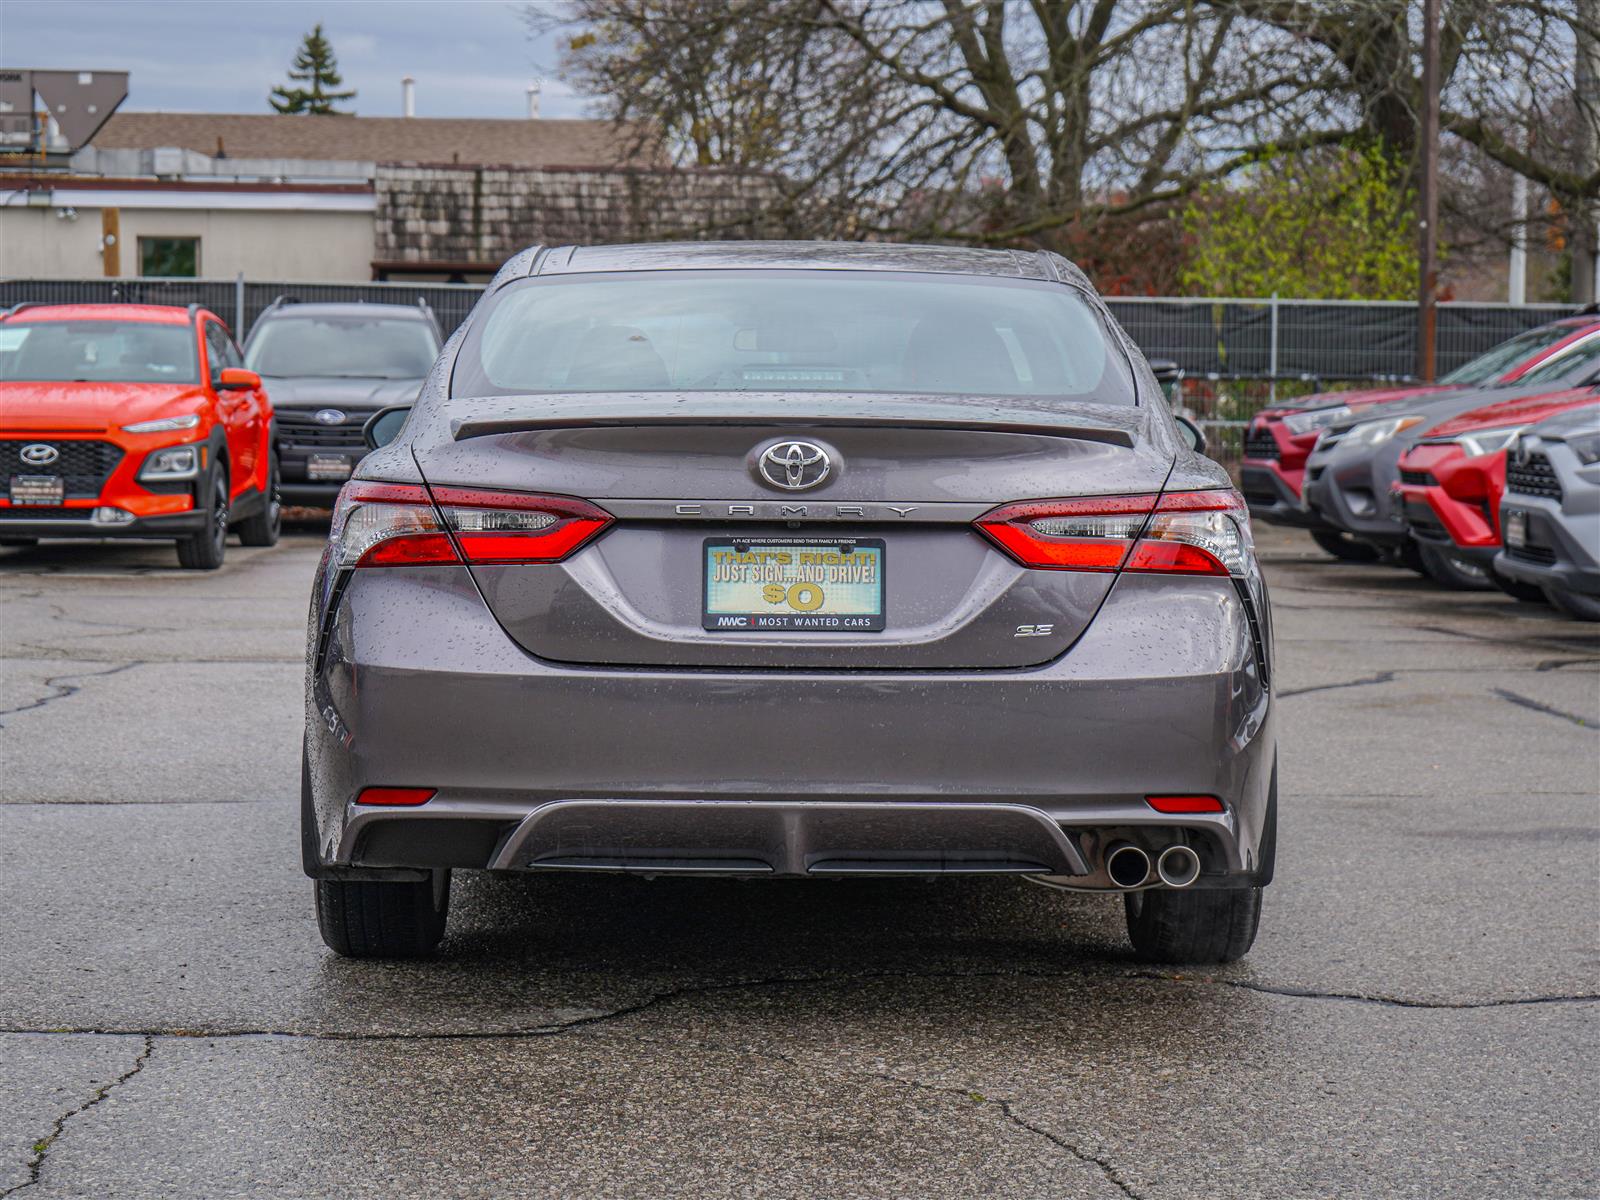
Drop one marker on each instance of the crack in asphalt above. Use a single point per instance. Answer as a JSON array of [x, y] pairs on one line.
[[670, 995], [1539, 707], [1380, 677], [63, 690], [41, 1148], [1361, 998], [1555, 664], [1561, 642]]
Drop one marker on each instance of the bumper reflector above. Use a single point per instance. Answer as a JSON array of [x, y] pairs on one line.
[[1173, 805], [396, 797]]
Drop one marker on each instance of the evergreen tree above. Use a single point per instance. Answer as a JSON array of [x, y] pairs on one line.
[[315, 64]]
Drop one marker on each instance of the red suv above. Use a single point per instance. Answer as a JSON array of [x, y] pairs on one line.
[[1451, 483], [1279, 439], [132, 420]]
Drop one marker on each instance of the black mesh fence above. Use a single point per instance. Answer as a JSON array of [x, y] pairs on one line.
[[1224, 339]]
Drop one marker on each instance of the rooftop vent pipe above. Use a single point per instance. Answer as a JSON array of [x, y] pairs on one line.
[[408, 97], [534, 89]]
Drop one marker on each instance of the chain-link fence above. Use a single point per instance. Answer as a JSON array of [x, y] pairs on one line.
[[1236, 355]]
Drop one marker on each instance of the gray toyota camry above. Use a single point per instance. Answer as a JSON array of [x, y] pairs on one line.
[[790, 559]]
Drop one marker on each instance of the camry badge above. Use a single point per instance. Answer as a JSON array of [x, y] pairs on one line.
[[794, 466], [328, 416], [38, 454]]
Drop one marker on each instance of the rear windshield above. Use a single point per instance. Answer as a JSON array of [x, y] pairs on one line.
[[1508, 355], [355, 347], [97, 352], [812, 331]]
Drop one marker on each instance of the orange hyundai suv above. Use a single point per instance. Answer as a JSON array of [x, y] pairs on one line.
[[132, 420]]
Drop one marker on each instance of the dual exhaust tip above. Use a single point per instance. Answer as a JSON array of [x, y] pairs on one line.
[[1129, 866]]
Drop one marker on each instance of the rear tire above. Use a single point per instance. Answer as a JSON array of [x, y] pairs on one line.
[[1448, 569], [204, 551], [381, 919], [1579, 608], [1206, 925], [1344, 547], [263, 528], [1528, 593]]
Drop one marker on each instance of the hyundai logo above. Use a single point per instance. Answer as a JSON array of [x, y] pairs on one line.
[[39, 455], [328, 416], [794, 466]]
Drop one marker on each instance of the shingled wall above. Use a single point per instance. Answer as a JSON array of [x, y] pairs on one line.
[[460, 214]]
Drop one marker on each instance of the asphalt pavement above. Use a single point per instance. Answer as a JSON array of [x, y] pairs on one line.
[[1419, 1016]]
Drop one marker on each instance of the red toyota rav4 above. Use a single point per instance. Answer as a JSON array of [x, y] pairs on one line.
[[1451, 483], [1279, 439], [132, 420]]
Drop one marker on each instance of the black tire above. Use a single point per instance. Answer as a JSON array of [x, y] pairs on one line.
[[263, 528], [1344, 547], [1409, 556], [373, 919], [204, 551], [1579, 608], [1205, 925], [1449, 569], [11, 543], [1528, 593]]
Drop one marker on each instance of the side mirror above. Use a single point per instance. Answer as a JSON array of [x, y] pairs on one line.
[[1166, 371], [383, 426], [1191, 434], [237, 379]]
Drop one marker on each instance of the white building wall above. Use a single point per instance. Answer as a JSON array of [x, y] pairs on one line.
[[282, 243]]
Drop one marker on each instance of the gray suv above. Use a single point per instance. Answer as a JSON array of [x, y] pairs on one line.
[[1550, 511], [791, 559], [328, 368]]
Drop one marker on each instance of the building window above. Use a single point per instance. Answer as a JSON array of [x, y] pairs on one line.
[[170, 256]]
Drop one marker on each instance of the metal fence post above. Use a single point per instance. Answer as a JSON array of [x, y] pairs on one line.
[[1272, 355], [238, 306]]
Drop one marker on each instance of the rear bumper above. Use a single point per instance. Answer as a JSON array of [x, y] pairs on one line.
[[540, 765]]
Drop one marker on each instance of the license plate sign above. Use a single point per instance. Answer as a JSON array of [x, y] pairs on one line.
[[1516, 528], [37, 489], [818, 585], [328, 466]]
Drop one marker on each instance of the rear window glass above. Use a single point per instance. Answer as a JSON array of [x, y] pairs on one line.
[[352, 347], [97, 352], [813, 331]]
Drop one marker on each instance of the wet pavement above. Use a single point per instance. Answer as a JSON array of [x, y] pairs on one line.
[[1419, 1016]]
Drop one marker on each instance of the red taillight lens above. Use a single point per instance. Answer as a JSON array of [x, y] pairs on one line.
[[1205, 533], [512, 527], [1090, 534], [396, 797], [1175, 805], [392, 525]]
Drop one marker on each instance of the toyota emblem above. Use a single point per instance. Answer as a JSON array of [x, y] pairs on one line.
[[37, 454], [794, 466], [328, 416]]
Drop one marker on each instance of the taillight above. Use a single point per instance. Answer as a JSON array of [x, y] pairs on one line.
[[1185, 533], [396, 524]]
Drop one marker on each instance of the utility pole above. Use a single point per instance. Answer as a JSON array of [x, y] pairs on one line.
[[1585, 237], [1428, 260]]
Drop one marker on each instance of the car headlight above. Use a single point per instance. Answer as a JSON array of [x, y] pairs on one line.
[[173, 463], [1305, 422], [1376, 433], [1487, 441], [1585, 445], [164, 424]]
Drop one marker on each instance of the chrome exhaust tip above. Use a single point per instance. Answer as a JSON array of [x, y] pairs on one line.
[[1178, 866], [1127, 865]]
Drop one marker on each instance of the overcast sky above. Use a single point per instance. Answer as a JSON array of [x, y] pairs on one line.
[[470, 58]]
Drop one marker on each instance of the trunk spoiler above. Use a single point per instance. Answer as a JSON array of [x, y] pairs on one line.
[[977, 414]]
